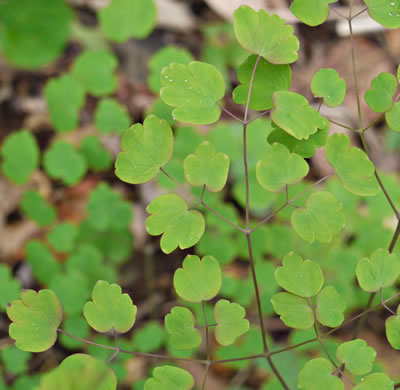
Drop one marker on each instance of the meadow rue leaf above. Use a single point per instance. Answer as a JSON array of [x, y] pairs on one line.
[[62, 161], [320, 220], [35, 320], [20, 154], [180, 324], [64, 113], [380, 271], [194, 91], [164, 57], [97, 157], [316, 372], [230, 322], [393, 116], [109, 309], [352, 165], [310, 12], [327, 84], [392, 326], [280, 168], [15, 360], [293, 310], [34, 33], [380, 97], [124, 19], [206, 167], [95, 70], [293, 114], [169, 378], [178, 225], [198, 280], [268, 79], [377, 380], [63, 237], [303, 278], [9, 287], [35, 207], [150, 338], [330, 307], [145, 149], [386, 13], [77, 326], [357, 356], [265, 35], [110, 116]]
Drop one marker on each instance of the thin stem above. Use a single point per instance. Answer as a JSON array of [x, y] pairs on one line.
[[337, 12], [384, 304], [200, 200], [323, 346], [359, 13], [169, 176], [373, 123], [115, 354], [229, 113], [320, 104], [260, 355], [203, 386], [203, 306], [341, 125], [258, 116], [395, 238]]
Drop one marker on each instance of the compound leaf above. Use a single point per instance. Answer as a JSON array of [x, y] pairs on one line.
[[198, 280], [327, 84], [169, 378], [318, 371], [303, 278], [380, 97], [330, 307], [357, 356], [178, 225], [280, 168], [386, 13], [20, 154], [35, 320], [110, 116], [375, 381], [293, 114], [265, 35], [194, 91], [352, 165], [322, 218], [109, 309], [310, 12], [206, 167], [124, 19], [35, 207], [64, 113], [180, 324], [268, 79], [230, 322], [145, 149], [293, 310], [381, 271], [393, 117], [9, 287]]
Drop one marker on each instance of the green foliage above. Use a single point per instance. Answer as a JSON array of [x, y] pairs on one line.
[[35, 207], [357, 356], [385, 13], [316, 372], [63, 237], [392, 326], [327, 84], [150, 338], [380, 97], [111, 116], [330, 307], [169, 378], [97, 157], [374, 381], [9, 287], [15, 360], [311, 12], [392, 117]]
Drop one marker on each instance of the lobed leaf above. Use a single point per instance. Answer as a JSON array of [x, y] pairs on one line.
[[63, 237], [317, 372], [380, 97], [327, 84], [357, 356], [110, 116], [35, 207], [330, 307], [377, 380], [310, 12], [97, 157], [10, 287], [392, 326], [393, 117], [169, 378], [386, 13]]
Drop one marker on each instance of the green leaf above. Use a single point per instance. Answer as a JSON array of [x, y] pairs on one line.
[[293, 114], [386, 13], [150, 338], [20, 154], [265, 35], [110, 116], [393, 117], [35, 320], [169, 378], [375, 381], [145, 149], [268, 79], [9, 287], [95, 70], [303, 278], [206, 167], [63, 237], [77, 326], [194, 91], [293, 310], [320, 220], [34, 33], [310, 12], [35, 207], [327, 84], [124, 19], [164, 57], [392, 326], [97, 157], [62, 161], [230, 320], [15, 360], [280, 168], [357, 356], [109, 309], [330, 307], [178, 225], [318, 372], [180, 324], [198, 280], [381, 271], [106, 209], [380, 97], [64, 113]]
